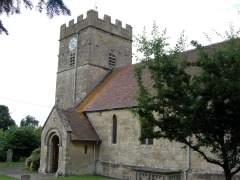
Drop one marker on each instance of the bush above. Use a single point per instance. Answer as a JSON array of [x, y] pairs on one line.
[[22, 141], [32, 162], [2, 146], [3, 155]]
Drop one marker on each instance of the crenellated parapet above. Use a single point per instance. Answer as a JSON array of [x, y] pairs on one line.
[[101, 24]]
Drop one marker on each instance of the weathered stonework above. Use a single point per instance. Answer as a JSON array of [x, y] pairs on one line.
[[128, 149], [96, 38], [128, 159], [79, 162], [73, 159], [102, 24], [54, 126], [128, 153]]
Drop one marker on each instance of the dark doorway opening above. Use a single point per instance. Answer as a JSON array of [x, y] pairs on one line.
[[55, 153]]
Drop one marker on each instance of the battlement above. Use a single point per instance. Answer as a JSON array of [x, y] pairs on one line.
[[101, 24]]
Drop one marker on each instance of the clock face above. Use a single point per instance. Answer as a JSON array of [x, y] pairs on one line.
[[72, 44]]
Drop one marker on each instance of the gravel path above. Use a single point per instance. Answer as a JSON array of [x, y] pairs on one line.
[[18, 171]]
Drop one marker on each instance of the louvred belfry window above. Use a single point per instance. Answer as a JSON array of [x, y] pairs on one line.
[[72, 59], [112, 60]]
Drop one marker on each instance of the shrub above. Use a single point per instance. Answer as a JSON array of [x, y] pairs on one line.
[[3, 155], [33, 161], [22, 141]]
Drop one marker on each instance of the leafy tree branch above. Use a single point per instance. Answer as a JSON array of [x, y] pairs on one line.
[[51, 7], [192, 94]]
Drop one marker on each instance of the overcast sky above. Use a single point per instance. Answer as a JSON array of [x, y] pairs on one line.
[[28, 56]]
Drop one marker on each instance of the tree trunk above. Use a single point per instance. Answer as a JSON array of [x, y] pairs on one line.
[[228, 175]]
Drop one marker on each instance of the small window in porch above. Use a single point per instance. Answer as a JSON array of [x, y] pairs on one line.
[[85, 149]]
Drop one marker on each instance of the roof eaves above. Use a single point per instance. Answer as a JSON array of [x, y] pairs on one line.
[[110, 109], [90, 141]]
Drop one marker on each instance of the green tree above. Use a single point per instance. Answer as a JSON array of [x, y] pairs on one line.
[[29, 121], [200, 109], [22, 141], [2, 146], [5, 119], [52, 8]]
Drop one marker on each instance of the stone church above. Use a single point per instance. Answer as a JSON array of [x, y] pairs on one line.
[[91, 129]]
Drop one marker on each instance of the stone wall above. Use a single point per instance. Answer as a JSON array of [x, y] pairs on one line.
[[128, 152], [54, 126], [74, 158], [87, 78], [93, 20], [115, 170], [79, 161], [96, 40], [210, 176], [65, 89]]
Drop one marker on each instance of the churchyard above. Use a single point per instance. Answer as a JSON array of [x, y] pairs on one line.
[[14, 170]]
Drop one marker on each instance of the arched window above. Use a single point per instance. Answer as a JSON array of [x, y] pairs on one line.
[[114, 130]]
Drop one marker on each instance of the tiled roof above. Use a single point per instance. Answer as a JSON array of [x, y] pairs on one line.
[[82, 129], [118, 90]]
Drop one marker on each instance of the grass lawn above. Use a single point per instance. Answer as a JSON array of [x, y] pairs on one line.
[[81, 178], [2, 177]]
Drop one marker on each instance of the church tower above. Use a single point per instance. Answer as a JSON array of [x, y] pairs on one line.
[[89, 50]]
